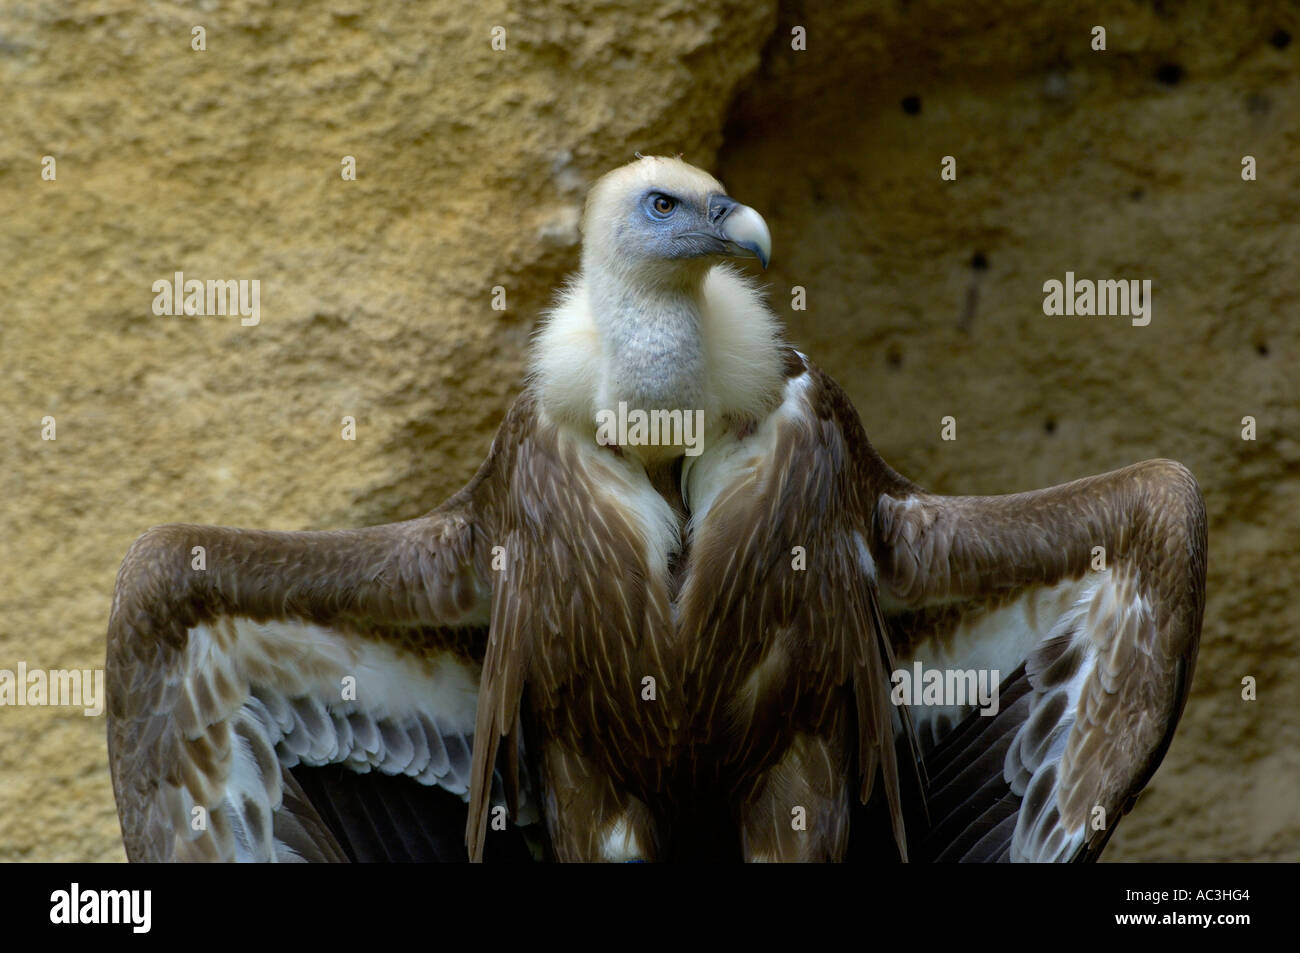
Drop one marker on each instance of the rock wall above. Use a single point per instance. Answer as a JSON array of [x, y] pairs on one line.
[[924, 297]]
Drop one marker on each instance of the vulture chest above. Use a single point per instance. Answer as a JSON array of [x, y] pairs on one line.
[[685, 632]]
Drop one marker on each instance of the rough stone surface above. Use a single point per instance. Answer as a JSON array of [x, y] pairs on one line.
[[924, 296]]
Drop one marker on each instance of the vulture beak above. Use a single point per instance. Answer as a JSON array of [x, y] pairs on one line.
[[740, 228]]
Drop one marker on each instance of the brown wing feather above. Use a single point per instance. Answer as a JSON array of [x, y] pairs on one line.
[[836, 641], [562, 622], [1107, 654], [215, 671], [866, 476]]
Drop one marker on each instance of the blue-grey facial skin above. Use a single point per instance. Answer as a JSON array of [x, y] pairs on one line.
[[692, 230]]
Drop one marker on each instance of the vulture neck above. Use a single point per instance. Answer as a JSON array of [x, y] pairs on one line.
[[651, 340], [695, 339]]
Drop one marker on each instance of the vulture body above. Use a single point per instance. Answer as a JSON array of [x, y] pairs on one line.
[[661, 647]]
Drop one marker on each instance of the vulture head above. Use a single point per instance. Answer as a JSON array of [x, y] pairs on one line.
[[658, 318], [661, 219]]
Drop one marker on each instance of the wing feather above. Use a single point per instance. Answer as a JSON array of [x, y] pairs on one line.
[[1086, 600], [238, 659]]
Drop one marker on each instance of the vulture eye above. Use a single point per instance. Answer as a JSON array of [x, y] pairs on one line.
[[662, 205]]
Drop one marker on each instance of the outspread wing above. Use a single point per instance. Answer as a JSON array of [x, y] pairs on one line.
[[238, 659], [1083, 603]]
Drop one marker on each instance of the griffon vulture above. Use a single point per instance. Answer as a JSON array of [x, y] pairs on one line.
[[667, 618]]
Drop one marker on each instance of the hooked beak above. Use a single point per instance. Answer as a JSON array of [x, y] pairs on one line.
[[740, 228]]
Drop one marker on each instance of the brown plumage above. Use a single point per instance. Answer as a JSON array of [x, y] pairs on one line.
[[660, 650], [727, 708]]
